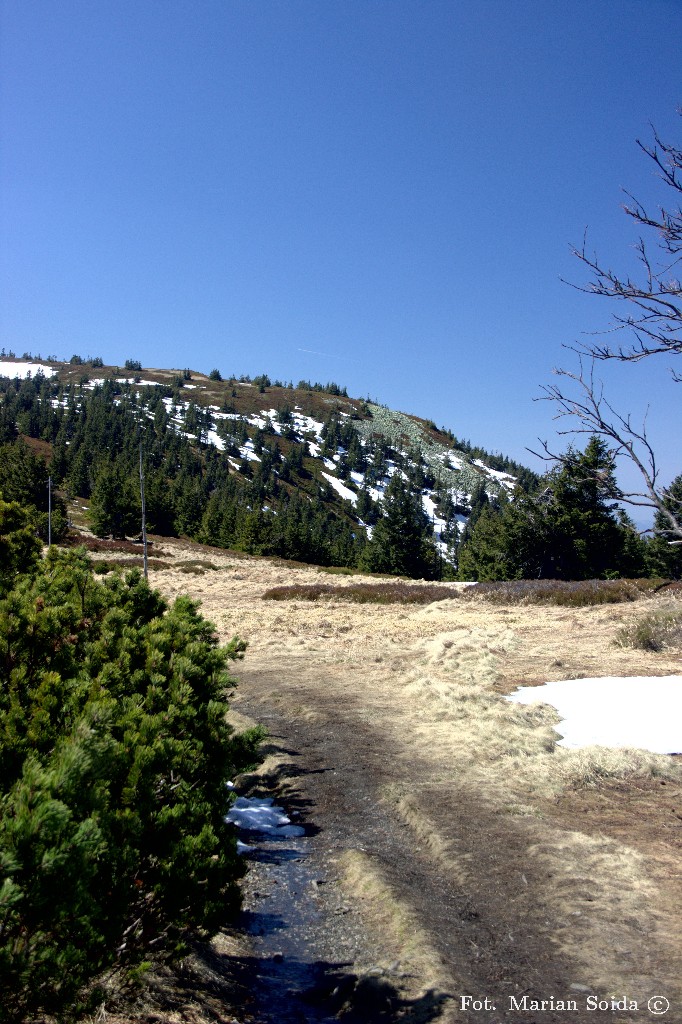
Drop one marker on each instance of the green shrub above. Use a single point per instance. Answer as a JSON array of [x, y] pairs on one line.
[[114, 754]]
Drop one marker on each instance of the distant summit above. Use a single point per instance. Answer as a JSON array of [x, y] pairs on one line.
[[303, 471]]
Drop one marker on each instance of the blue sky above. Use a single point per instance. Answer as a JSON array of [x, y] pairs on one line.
[[378, 193]]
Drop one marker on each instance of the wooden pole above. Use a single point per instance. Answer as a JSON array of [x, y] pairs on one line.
[[144, 519]]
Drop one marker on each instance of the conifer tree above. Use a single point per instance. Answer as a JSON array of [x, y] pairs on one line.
[[400, 543], [665, 557], [115, 506], [569, 531]]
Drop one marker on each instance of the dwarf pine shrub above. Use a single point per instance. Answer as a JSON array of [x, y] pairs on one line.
[[114, 754]]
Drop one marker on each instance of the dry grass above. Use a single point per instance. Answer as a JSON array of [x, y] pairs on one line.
[[655, 631], [598, 892], [387, 917], [430, 678]]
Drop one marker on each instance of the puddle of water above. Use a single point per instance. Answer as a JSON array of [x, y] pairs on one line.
[[281, 916]]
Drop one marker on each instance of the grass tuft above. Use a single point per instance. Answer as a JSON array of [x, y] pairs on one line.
[[652, 632]]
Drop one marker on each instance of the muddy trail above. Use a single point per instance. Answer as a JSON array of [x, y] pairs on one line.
[[490, 934], [453, 853]]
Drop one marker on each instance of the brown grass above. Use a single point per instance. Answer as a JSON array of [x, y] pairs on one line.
[[655, 631], [428, 680], [387, 916]]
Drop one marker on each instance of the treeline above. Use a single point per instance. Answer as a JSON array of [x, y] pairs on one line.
[[266, 493], [569, 529], [263, 381], [271, 506], [114, 758]]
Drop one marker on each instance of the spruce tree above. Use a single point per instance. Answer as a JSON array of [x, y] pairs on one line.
[[664, 557], [570, 530], [400, 543]]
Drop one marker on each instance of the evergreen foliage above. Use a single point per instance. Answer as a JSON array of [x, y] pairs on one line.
[[401, 542], [666, 558], [24, 478], [114, 754], [570, 531], [19, 546]]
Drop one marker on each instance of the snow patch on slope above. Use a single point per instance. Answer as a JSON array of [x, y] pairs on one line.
[[23, 369], [640, 711]]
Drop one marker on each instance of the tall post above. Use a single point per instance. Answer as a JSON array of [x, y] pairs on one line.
[[144, 518], [49, 511]]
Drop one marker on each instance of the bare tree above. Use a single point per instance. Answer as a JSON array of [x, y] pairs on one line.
[[652, 320]]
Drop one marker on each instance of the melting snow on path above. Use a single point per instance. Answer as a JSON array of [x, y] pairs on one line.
[[259, 814], [640, 711]]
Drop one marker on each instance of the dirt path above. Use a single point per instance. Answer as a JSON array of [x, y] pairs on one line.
[[477, 858]]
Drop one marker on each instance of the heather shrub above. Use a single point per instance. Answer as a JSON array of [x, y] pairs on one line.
[[561, 592], [394, 592]]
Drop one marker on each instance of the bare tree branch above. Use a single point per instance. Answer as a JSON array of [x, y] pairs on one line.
[[653, 322], [655, 301], [587, 405]]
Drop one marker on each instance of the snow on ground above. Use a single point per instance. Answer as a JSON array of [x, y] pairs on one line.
[[306, 424], [340, 488], [23, 369], [259, 422], [429, 506], [213, 438], [504, 478], [259, 814], [138, 383], [246, 451], [640, 711]]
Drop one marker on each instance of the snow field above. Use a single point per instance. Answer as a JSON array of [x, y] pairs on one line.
[[22, 369], [643, 712]]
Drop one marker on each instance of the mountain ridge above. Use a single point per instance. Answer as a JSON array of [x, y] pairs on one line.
[[251, 444]]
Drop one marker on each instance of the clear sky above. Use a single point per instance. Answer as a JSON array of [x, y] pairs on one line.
[[378, 193]]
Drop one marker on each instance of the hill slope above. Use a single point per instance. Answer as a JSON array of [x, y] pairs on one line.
[[271, 468]]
